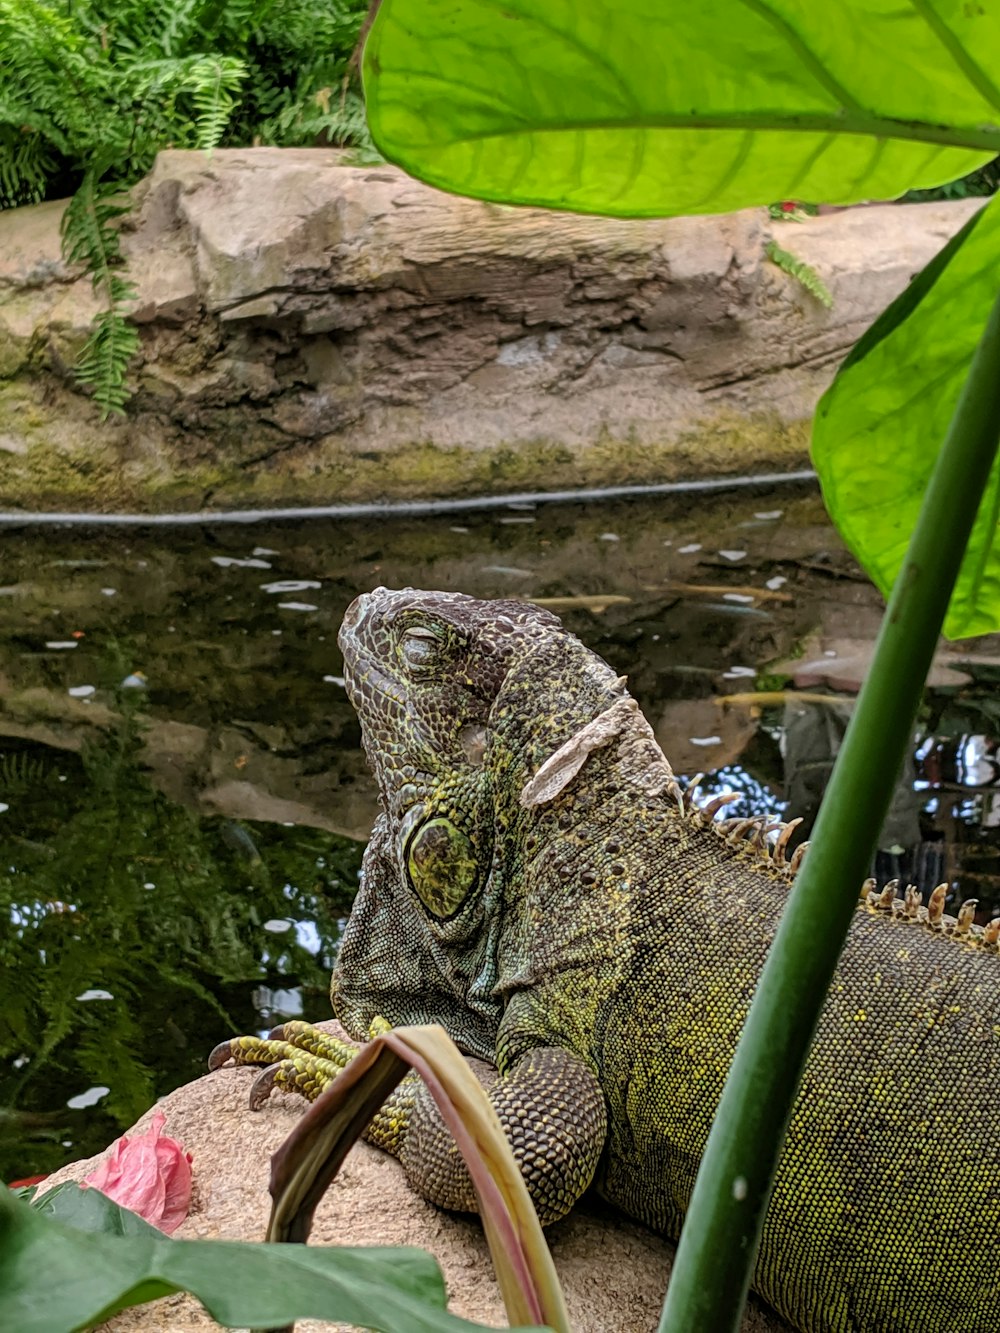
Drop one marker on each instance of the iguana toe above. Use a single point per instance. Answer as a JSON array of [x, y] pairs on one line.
[[299, 1058]]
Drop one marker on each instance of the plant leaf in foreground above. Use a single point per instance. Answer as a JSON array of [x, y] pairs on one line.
[[54, 1277], [878, 429], [645, 108], [310, 1157]]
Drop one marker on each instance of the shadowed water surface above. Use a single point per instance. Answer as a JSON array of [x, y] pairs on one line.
[[183, 801]]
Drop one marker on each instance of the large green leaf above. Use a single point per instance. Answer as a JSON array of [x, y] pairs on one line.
[[54, 1277], [655, 107], [880, 426]]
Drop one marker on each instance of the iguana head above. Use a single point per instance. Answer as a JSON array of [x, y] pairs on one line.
[[460, 701]]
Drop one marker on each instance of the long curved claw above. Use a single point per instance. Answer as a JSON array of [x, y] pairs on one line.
[[263, 1086], [219, 1056], [251, 1051]]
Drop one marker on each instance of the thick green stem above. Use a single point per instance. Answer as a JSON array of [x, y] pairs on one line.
[[718, 1246]]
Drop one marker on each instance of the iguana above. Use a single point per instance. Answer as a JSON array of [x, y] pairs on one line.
[[540, 885]]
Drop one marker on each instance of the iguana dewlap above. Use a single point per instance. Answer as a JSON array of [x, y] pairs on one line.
[[538, 884]]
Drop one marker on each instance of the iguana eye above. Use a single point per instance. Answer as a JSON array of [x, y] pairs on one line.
[[419, 646], [441, 864]]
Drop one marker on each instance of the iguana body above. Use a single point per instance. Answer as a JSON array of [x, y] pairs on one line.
[[537, 884]]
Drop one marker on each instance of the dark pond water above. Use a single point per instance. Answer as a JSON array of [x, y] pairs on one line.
[[183, 802]]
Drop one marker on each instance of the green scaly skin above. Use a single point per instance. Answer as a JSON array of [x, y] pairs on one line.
[[598, 939]]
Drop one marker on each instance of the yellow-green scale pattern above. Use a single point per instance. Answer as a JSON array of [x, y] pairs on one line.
[[538, 884]]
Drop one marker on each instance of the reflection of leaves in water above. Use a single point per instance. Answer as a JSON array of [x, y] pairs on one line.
[[20, 770], [136, 897]]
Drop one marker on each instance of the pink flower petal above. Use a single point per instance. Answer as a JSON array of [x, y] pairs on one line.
[[149, 1173]]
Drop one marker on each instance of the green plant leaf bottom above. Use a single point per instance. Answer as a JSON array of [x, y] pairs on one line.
[[56, 1277], [881, 424], [642, 108]]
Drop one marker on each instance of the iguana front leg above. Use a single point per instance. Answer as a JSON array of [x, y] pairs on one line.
[[550, 1106]]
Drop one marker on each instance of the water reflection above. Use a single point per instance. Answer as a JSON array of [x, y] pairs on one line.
[[137, 931], [183, 800]]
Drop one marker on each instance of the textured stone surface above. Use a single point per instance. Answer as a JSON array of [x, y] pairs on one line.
[[314, 332], [613, 1271]]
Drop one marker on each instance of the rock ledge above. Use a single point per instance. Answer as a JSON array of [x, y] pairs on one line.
[[316, 332]]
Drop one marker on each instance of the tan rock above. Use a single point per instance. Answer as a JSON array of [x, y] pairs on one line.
[[315, 332], [613, 1271]]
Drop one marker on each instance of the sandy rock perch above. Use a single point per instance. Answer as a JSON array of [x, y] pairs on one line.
[[613, 1271], [315, 332]]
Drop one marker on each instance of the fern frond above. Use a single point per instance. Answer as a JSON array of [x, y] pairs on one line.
[[214, 83], [26, 162], [801, 271], [20, 770], [91, 238], [103, 363]]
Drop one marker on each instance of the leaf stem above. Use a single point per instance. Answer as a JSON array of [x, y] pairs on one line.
[[718, 1245]]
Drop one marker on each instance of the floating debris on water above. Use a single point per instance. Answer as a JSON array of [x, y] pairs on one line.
[[231, 561], [290, 585], [89, 1098], [597, 602]]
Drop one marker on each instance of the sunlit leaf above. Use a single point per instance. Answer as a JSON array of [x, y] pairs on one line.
[[880, 426], [651, 108], [54, 1277]]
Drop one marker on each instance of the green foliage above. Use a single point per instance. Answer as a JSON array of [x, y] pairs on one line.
[[878, 429], [90, 238], [75, 1260], [642, 109], [89, 93], [977, 184], [801, 272]]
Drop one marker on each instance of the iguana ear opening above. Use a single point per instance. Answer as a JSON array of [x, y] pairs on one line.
[[441, 866], [472, 739]]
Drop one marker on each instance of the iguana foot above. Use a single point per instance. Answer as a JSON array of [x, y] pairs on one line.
[[299, 1058]]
